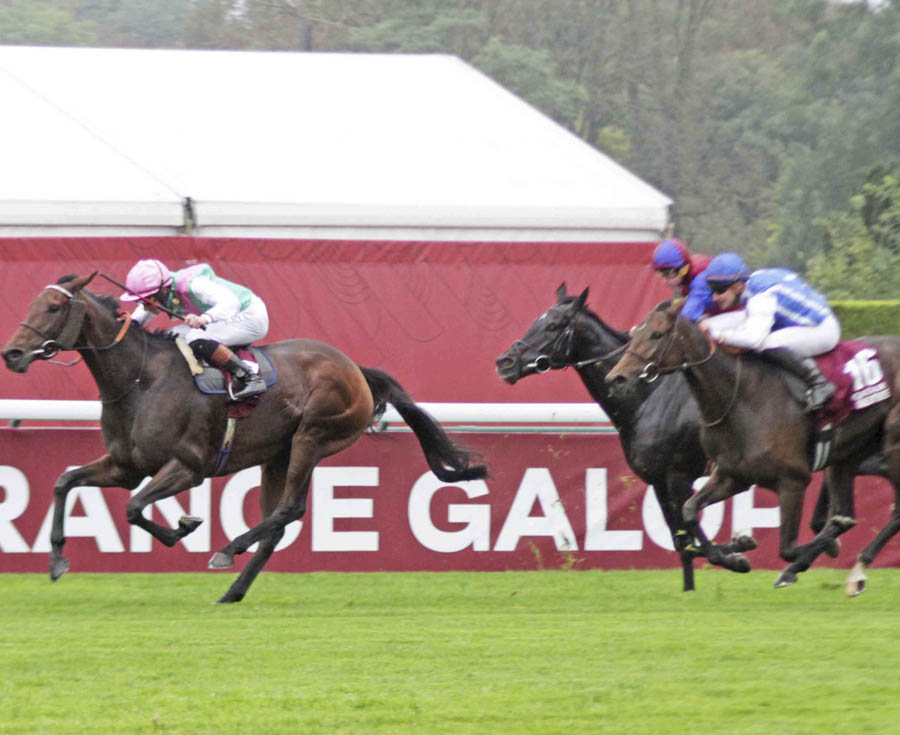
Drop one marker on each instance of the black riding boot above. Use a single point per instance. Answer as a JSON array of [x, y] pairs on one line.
[[818, 388], [245, 383]]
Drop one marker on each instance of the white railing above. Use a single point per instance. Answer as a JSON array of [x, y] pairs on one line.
[[447, 413]]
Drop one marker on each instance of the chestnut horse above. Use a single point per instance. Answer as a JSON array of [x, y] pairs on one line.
[[156, 423], [757, 433]]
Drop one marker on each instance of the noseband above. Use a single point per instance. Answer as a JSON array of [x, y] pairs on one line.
[[547, 358]]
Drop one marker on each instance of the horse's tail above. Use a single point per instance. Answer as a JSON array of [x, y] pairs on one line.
[[448, 461]]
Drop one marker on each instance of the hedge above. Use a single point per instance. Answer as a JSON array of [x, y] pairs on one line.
[[867, 317]]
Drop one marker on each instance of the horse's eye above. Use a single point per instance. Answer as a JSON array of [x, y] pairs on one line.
[[656, 335], [54, 308]]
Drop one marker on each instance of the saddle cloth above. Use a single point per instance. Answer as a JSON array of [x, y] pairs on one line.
[[855, 370], [212, 380]]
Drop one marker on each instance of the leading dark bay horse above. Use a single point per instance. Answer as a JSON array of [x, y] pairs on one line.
[[757, 433], [156, 423], [658, 424]]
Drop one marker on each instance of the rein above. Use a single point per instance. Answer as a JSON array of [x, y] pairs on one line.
[[734, 395], [134, 383], [652, 371]]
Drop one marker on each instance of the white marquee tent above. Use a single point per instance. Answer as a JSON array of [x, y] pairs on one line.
[[302, 145]]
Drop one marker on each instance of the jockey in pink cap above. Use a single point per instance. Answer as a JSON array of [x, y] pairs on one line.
[[218, 314]]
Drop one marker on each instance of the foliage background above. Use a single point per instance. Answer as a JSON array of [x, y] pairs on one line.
[[772, 123]]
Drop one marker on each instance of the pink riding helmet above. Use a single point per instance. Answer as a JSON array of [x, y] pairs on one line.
[[145, 278]]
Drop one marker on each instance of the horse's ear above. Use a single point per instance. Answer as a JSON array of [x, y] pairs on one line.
[[561, 293], [80, 282], [582, 298]]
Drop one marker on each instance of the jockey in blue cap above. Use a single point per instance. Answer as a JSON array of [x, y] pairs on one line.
[[683, 273], [773, 311]]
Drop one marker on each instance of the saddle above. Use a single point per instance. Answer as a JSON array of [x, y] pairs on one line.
[[855, 371], [210, 379]]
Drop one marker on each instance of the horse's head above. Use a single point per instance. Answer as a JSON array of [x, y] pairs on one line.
[[549, 342], [52, 323], [652, 348]]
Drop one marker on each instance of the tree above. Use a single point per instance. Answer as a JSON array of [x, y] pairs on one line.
[[861, 258], [39, 22]]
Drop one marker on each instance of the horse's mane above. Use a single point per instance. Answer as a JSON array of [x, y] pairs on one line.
[[111, 304], [621, 336]]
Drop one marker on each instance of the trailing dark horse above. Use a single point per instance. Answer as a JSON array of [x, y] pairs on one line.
[[658, 424], [156, 423], [756, 433]]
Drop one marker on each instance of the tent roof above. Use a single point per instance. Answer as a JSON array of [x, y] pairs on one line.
[[118, 141]]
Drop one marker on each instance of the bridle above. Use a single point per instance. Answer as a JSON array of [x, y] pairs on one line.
[[72, 323], [558, 353], [652, 370], [72, 320]]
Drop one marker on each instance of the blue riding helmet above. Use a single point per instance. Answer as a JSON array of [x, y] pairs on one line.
[[727, 268], [670, 253]]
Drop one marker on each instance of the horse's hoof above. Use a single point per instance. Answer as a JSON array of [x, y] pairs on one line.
[[855, 587], [736, 563], [226, 599], [856, 580], [833, 548], [785, 579], [743, 542], [221, 560], [58, 567], [188, 524]]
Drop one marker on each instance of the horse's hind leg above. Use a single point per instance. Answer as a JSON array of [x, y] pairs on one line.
[[103, 472], [856, 581], [270, 491], [305, 455], [838, 484]]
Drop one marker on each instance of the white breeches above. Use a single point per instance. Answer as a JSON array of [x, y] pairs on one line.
[[804, 341], [249, 325]]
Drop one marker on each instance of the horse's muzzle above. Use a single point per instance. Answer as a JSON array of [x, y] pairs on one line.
[[508, 368], [16, 360]]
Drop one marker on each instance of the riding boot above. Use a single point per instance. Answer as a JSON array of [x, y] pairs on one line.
[[245, 383], [818, 388]]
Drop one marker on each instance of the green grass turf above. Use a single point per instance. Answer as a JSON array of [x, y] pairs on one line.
[[531, 652]]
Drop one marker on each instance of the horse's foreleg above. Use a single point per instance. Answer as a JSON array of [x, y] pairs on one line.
[[677, 489], [103, 472], [718, 487], [173, 478]]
